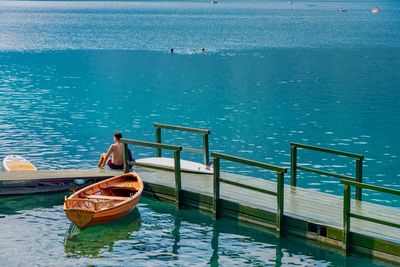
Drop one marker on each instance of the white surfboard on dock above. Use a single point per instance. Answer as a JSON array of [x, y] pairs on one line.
[[186, 166], [17, 163]]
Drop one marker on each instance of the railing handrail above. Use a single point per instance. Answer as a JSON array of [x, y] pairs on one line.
[[294, 166], [150, 144], [181, 128], [328, 150], [249, 162], [280, 184], [205, 151], [347, 214], [331, 174], [372, 187]]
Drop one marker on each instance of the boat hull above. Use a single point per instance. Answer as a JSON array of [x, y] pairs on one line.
[[105, 201], [17, 163]]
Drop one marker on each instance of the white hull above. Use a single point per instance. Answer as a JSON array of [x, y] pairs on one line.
[[17, 163], [186, 166]]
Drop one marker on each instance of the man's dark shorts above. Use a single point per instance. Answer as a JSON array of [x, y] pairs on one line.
[[113, 166]]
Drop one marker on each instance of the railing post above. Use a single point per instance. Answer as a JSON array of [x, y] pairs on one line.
[[280, 203], [216, 185], [126, 158], [158, 140], [359, 179], [206, 157], [178, 183], [293, 165], [346, 216]]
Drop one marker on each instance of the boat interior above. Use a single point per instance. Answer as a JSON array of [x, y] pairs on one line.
[[105, 195]]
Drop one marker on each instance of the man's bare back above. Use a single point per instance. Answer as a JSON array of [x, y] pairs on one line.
[[117, 150]]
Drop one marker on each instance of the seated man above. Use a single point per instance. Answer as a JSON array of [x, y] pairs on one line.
[[116, 150]]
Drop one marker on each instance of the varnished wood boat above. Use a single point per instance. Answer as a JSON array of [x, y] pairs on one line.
[[104, 201]]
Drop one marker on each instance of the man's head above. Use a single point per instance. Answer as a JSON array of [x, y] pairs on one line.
[[118, 135]]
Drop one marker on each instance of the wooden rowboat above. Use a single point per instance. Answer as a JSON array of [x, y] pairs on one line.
[[104, 201]]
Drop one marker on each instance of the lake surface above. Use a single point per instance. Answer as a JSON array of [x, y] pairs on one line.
[[73, 72], [154, 234]]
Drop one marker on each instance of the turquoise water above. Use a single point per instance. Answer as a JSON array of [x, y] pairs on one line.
[[154, 234], [74, 72], [71, 73]]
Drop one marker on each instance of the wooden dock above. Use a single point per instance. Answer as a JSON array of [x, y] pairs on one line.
[[307, 213], [351, 225]]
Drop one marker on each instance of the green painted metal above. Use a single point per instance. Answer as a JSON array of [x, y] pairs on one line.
[[377, 245], [369, 219], [359, 174], [280, 203], [294, 167], [280, 184], [158, 140], [327, 150], [194, 150], [178, 178], [372, 187], [205, 151], [181, 128], [125, 158], [149, 144], [346, 217], [216, 186], [321, 172], [249, 162], [206, 156]]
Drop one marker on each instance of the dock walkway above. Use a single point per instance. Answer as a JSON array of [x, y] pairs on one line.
[[308, 213], [352, 225], [300, 203]]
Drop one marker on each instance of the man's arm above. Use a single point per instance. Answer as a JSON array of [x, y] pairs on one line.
[[110, 150]]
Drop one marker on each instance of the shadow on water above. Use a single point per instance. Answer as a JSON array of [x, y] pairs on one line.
[[90, 242], [12, 205]]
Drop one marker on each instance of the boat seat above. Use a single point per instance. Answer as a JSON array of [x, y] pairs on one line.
[[106, 197]]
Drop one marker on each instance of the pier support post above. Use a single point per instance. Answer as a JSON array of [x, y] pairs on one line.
[[206, 156], [158, 140], [216, 186], [126, 158], [346, 217], [359, 178], [280, 203], [178, 183], [293, 165]]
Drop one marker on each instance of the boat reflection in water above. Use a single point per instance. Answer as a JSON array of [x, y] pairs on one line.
[[93, 240]]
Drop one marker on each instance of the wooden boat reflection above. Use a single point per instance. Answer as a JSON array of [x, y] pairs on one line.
[[104, 201], [94, 240]]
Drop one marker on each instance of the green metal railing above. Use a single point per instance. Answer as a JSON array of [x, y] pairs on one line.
[[177, 161], [280, 184], [347, 214], [205, 151], [294, 167]]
